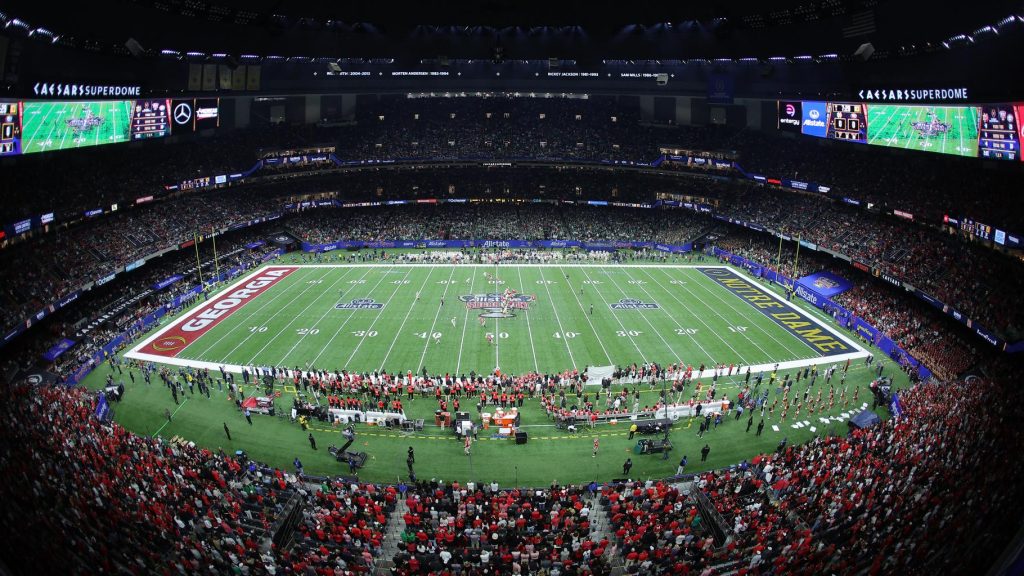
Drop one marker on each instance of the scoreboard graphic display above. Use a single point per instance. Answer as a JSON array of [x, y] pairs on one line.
[[150, 119], [10, 128], [847, 121], [1000, 132], [990, 131], [48, 126]]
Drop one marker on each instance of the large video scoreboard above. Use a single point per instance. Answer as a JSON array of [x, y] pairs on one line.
[[991, 131], [44, 126]]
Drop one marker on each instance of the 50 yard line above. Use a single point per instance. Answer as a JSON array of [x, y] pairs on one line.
[[496, 332]]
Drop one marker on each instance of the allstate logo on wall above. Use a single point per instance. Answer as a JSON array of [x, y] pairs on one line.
[[633, 304], [359, 304]]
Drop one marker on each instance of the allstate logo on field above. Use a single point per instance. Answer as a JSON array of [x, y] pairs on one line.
[[633, 304], [494, 305], [360, 304]]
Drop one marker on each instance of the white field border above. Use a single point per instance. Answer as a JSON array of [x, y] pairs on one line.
[[788, 365]]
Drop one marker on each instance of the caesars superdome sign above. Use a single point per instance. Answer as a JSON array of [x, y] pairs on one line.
[[72, 90]]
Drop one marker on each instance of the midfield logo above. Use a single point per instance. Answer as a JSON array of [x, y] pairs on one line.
[[359, 304], [495, 305], [633, 304]]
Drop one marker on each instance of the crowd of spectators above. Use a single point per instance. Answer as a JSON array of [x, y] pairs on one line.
[[121, 503], [68, 259], [53, 266], [479, 529], [912, 324], [102, 313], [888, 499], [496, 221], [832, 505]]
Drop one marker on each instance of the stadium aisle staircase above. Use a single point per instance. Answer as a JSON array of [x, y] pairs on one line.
[[392, 539]]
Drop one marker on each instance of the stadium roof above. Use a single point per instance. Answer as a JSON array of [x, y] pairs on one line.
[[523, 28]]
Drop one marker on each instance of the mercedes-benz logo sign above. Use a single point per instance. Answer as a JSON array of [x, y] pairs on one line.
[[182, 113]]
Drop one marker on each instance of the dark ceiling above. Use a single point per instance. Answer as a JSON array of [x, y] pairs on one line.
[[524, 28]]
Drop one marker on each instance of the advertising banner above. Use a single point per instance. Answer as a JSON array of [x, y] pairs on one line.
[[61, 347], [826, 284], [167, 282]]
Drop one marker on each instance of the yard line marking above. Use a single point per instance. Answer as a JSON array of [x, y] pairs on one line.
[[731, 306], [621, 325], [327, 346], [533, 347], [432, 324], [496, 339], [231, 330], [398, 333], [557, 319], [587, 316], [462, 341], [322, 316], [185, 401], [377, 317], [701, 320], [646, 319], [296, 317], [672, 317]]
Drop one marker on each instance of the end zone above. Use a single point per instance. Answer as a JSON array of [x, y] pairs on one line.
[[171, 340]]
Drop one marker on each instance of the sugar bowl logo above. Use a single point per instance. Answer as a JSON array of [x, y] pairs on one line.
[[498, 305], [826, 283]]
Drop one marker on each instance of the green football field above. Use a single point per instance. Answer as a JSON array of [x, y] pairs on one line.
[[943, 129], [297, 322], [60, 125]]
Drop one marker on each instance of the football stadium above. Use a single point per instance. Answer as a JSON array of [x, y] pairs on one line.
[[511, 288]]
